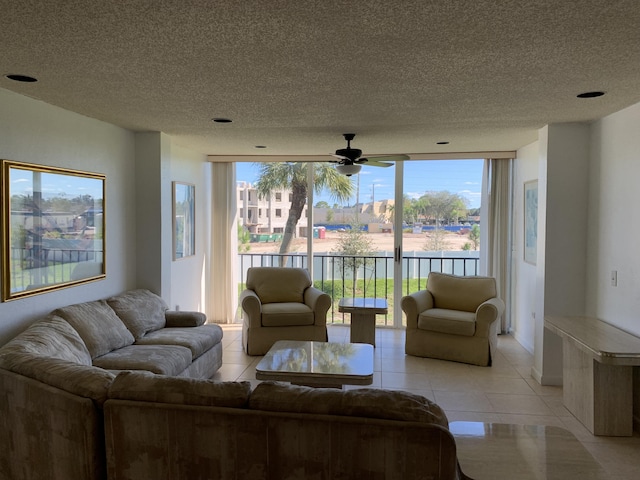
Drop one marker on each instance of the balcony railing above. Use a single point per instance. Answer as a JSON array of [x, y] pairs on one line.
[[40, 266], [364, 276]]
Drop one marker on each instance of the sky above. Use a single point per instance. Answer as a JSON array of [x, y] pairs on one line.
[[463, 177], [54, 184]]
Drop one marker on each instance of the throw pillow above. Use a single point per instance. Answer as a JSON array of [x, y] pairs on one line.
[[98, 325], [141, 311]]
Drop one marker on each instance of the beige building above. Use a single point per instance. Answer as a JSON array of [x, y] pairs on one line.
[[266, 215]]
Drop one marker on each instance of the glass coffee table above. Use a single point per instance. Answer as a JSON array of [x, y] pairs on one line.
[[317, 364]]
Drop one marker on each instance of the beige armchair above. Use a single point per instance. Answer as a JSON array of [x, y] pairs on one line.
[[455, 318], [281, 304]]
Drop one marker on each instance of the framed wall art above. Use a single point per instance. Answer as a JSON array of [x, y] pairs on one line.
[[53, 228], [184, 220], [531, 221]]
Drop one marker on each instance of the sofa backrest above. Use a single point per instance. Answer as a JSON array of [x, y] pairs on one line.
[[98, 325], [140, 310], [454, 292], [51, 337], [280, 441], [278, 284]]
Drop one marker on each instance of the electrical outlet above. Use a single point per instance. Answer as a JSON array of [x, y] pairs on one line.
[[614, 278], [177, 308]]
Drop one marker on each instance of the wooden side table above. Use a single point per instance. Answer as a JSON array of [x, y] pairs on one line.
[[363, 317]]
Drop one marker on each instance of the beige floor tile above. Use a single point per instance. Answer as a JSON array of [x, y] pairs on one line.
[[463, 401], [516, 386], [395, 380], [520, 404]]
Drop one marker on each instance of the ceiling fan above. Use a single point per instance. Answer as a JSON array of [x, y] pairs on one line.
[[350, 160]]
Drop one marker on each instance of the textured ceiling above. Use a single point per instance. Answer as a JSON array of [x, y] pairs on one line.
[[294, 75]]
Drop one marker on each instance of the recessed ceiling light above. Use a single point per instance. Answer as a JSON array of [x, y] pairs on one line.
[[21, 78], [590, 94], [222, 120], [442, 143], [261, 146]]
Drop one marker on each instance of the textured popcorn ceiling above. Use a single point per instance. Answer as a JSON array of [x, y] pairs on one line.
[[294, 75]]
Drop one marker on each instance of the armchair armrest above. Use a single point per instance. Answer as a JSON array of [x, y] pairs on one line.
[[184, 319], [414, 304], [252, 307], [319, 302], [487, 313]]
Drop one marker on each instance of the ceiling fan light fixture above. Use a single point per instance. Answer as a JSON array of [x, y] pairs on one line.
[[348, 170]]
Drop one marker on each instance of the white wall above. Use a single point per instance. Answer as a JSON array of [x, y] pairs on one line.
[[187, 274], [524, 277], [35, 132], [557, 283], [614, 229], [139, 169]]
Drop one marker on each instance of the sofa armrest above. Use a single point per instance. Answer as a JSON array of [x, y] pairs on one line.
[[414, 304], [184, 319], [319, 302], [252, 307], [487, 313]]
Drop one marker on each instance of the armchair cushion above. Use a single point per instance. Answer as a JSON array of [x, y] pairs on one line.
[[286, 314], [453, 292], [454, 322], [278, 284]]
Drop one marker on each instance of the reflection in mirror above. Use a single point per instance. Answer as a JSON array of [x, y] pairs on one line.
[[184, 238], [53, 228]]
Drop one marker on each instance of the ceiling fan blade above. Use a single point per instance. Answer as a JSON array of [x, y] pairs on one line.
[[375, 163], [389, 158]]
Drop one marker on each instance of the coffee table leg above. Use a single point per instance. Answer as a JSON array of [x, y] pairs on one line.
[[363, 328]]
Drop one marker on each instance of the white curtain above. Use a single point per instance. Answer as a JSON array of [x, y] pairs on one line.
[[222, 283], [496, 237]]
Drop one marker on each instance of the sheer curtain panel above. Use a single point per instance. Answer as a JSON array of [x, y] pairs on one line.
[[222, 284]]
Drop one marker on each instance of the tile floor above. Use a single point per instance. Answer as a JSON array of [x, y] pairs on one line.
[[503, 393]]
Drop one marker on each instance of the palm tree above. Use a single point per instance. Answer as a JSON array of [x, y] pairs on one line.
[[293, 176]]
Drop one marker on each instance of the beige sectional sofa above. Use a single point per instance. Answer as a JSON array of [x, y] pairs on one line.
[[84, 398], [55, 377], [160, 428]]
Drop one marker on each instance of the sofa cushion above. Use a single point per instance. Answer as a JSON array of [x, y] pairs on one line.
[[196, 339], [278, 284], [184, 319], [161, 359], [98, 325], [453, 292], [147, 387], [140, 310], [454, 322], [50, 337], [286, 314], [82, 380], [365, 402]]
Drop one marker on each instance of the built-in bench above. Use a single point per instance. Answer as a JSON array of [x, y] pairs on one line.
[[598, 361]]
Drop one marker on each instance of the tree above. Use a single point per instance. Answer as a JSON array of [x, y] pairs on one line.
[[244, 239], [443, 205], [353, 244], [474, 236], [293, 176], [322, 204], [436, 240]]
